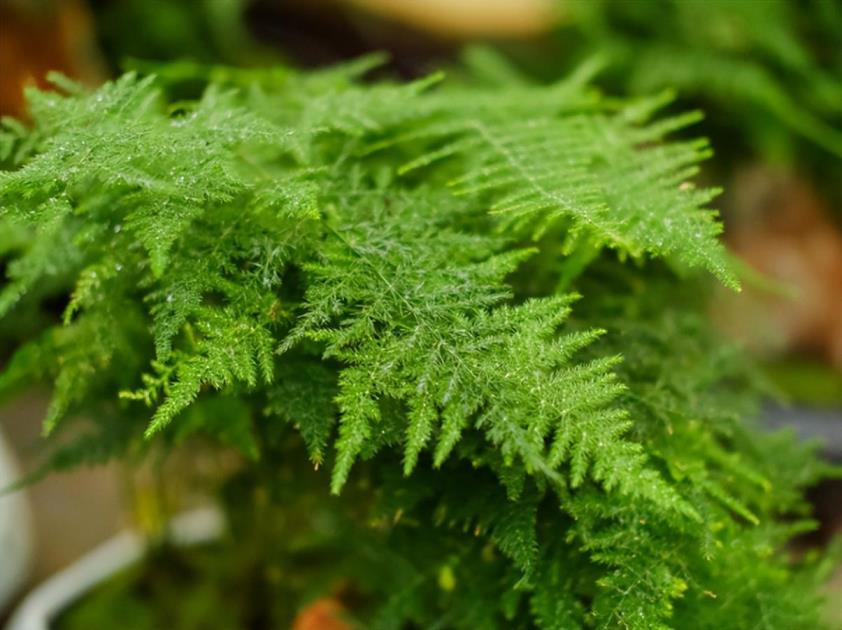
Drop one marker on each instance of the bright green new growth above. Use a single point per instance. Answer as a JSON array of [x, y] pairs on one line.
[[386, 268]]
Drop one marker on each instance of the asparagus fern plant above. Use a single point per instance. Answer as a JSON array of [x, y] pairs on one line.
[[473, 303]]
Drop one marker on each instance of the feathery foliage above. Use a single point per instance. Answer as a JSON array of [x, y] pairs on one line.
[[382, 276]]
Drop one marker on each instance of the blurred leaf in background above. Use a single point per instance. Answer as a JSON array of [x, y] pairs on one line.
[[207, 31], [771, 69]]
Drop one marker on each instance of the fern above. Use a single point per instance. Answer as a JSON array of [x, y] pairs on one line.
[[518, 434], [587, 167]]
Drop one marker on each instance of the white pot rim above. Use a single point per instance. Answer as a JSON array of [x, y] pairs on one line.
[[50, 598], [15, 528]]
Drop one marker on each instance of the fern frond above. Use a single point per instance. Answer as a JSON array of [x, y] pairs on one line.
[[229, 349], [303, 395], [602, 172], [443, 344]]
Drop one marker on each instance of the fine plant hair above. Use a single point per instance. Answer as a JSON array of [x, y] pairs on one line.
[[472, 305]]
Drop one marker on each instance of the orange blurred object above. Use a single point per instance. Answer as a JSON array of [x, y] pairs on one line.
[[323, 614], [788, 236], [35, 40], [469, 18]]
